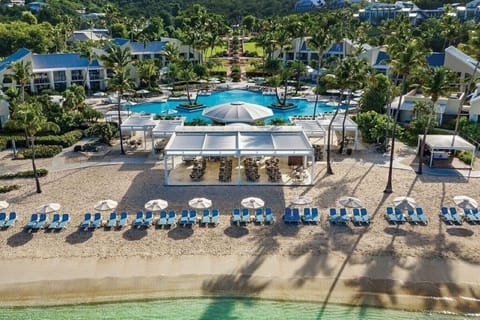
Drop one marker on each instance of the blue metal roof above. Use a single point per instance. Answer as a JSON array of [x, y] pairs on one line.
[[61, 61], [382, 58], [336, 48], [147, 47], [436, 59], [13, 58], [119, 41]]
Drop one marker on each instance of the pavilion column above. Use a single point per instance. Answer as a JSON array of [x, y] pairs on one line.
[[312, 169], [144, 139], [431, 157], [165, 170], [355, 145], [153, 144], [238, 170]]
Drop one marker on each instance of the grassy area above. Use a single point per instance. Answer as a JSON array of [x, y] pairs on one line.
[[216, 50], [219, 68], [252, 47]]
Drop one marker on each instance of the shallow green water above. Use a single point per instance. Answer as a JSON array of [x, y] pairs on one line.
[[210, 308]]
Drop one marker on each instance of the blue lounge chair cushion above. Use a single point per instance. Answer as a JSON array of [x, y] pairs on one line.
[[138, 219], [315, 215], [148, 219], [123, 219], [3, 218], [33, 221], [391, 217], [236, 215], [413, 216], [333, 215], [163, 218], [357, 216], [344, 215], [12, 217], [421, 216], [245, 217], [288, 216], [296, 215], [192, 218], [215, 216], [365, 216], [172, 216], [97, 220], [269, 215], [206, 216], [87, 220], [446, 216], [184, 217], [456, 217], [42, 221], [470, 216], [307, 215], [259, 218], [64, 222], [399, 215], [112, 221], [55, 221]]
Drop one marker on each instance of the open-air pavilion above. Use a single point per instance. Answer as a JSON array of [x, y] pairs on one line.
[[440, 149], [238, 150]]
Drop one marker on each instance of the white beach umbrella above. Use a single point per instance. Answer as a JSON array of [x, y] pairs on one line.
[[302, 200], [47, 208], [404, 203], [333, 91], [350, 202], [143, 91], [237, 111], [200, 203], [156, 205], [104, 205], [100, 94], [252, 203], [4, 205], [465, 202]]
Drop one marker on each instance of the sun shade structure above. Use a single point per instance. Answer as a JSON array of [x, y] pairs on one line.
[[4, 205], [350, 202], [302, 200], [47, 208], [465, 202], [441, 145], [252, 203], [237, 111], [200, 203], [156, 205], [104, 205], [404, 203]]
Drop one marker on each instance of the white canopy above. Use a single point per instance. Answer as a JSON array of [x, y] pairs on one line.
[[438, 143], [139, 123], [238, 111], [165, 128]]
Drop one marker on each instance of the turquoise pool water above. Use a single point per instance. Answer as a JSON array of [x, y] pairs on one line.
[[209, 308], [161, 108]]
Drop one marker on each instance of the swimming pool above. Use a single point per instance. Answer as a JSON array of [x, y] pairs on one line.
[[304, 107]]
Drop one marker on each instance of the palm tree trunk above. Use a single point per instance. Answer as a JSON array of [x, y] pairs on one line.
[[188, 94], [343, 126], [284, 102], [329, 166], [120, 95], [276, 94], [422, 145], [320, 57], [34, 167]]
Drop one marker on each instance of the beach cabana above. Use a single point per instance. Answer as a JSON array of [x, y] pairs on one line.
[[441, 148], [140, 122]]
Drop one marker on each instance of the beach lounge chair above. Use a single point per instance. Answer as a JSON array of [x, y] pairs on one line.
[[245, 217], [123, 219], [215, 216], [399, 215], [192, 218], [205, 216], [148, 219], [446, 216], [3, 218], [333, 216], [296, 215], [476, 213], [470, 216], [55, 221], [87, 220], [33, 222], [307, 215], [138, 219], [42, 221], [162, 220], [236, 215], [344, 216], [269, 215], [357, 216], [421, 216], [112, 221], [315, 215], [456, 217], [172, 217], [97, 221], [64, 222], [365, 216], [287, 215], [12, 217], [259, 217], [412, 217], [391, 217], [184, 217]]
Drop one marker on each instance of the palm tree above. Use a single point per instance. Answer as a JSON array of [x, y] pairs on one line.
[[437, 83], [29, 118], [22, 74], [403, 61], [147, 70], [187, 74], [298, 67]]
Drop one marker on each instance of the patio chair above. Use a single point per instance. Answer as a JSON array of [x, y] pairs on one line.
[[344, 216], [55, 221], [42, 221], [412, 217], [147, 222], [192, 218], [205, 216], [307, 215], [236, 215], [446, 216], [296, 215], [456, 217], [138, 219], [12, 217], [315, 215], [33, 222], [333, 216], [269, 215], [399, 215], [162, 220], [3, 218], [259, 217], [365, 216], [97, 221], [123, 219], [287, 215], [215, 216], [172, 218], [357, 216], [421, 216], [184, 217], [64, 222], [245, 217], [390, 215], [112, 221], [87, 220]]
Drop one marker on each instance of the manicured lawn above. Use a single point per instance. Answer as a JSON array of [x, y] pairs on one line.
[[252, 47], [216, 50]]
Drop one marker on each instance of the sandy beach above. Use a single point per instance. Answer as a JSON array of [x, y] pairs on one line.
[[417, 267]]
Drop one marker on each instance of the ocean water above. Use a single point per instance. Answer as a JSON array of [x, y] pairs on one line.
[[213, 308]]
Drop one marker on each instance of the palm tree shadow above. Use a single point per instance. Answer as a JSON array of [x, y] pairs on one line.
[[19, 239]]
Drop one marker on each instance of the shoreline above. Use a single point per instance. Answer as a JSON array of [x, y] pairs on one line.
[[65, 281]]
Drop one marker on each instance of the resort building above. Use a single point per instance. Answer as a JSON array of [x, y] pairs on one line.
[[88, 35]]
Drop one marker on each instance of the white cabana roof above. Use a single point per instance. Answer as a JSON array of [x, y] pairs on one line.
[[238, 141], [237, 111], [165, 128], [139, 122], [448, 142], [318, 127]]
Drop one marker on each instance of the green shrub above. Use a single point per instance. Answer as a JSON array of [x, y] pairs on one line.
[[24, 174], [65, 140], [3, 143], [5, 189], [465, 156], [42, 151]]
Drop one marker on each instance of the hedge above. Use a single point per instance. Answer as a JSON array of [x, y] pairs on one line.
[[3, 143], [24, 174], [65, 140], [42, 151], [5, 189]]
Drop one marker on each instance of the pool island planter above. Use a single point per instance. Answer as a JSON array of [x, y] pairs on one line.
[[185, 107], [283, 107]]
